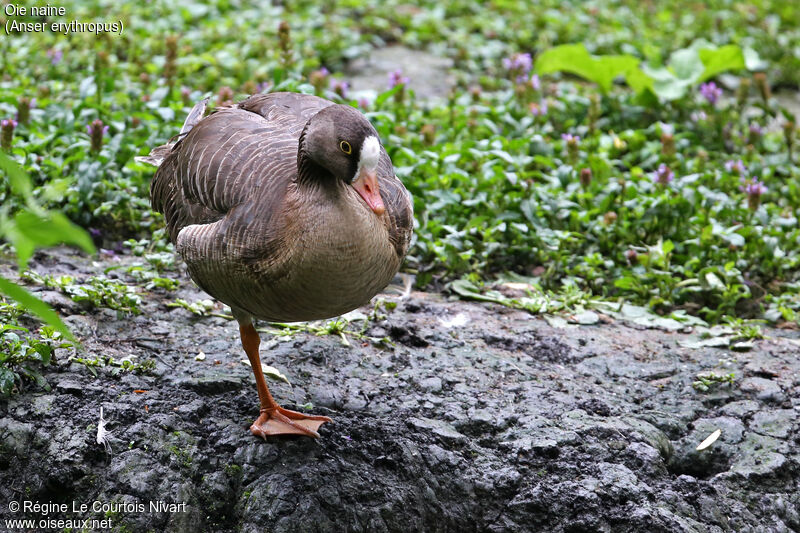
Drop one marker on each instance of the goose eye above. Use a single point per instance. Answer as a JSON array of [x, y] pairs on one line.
[[345, 147]]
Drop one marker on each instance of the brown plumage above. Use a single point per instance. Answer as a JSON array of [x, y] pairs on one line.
[[286, 208]]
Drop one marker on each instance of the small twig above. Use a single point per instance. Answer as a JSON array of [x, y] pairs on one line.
[[132, 339]]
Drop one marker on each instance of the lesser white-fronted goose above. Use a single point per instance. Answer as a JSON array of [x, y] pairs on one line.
[[286, 208]]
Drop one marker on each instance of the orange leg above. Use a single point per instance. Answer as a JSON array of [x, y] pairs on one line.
[[274, 419]]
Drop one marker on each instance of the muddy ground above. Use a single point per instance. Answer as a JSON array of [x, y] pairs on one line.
[[475, 417]]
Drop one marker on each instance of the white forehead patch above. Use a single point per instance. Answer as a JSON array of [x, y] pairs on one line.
[[370, 152]]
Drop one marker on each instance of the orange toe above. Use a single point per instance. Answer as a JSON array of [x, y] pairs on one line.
[[280, 421]]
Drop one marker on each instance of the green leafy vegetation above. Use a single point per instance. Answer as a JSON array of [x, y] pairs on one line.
[[147, 277], [343, 327], [115, 366], [22, 351], [205, 307], [29, 228], [622, 152], [708, 381], [97, 291], [686, 67]]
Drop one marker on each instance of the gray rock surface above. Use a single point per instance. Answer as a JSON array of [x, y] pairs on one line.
[[429, 75], [503, 424]]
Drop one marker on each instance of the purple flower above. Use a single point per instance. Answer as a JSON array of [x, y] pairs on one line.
[[518, 67], [7, 126], [225, 96], [756, 131], [96, 233], [572, 145], [91, 129], [699, 116], [396, 78], [667, 144], [736, 167], [663, 175], [570, 138], [363, 103], [319, 79], [55, 56], [518, 63], [263, 87], [756, 188], [186, 95], [535, 82], [711, 92], [340, 88], [753, 189], [538, 110]]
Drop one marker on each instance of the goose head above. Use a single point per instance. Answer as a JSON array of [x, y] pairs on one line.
[[340, 142]]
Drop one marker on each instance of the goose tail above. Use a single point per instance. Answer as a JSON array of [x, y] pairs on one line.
[[159, 153]]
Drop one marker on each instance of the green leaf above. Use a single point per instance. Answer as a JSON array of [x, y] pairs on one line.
[[35, 306], [586, 318], [558, 322], [469, 290], [627, 283], [687, 67], [87, 87], [686, 64], [385, 95], [575, 59], [33, 228], [45, 351], [752, 60], [30, 230], [743, 346], [638, 80], [713, 342], [19, 181], [722, 59], [665, 84], [6, 381], [270, 372], [713, 282]]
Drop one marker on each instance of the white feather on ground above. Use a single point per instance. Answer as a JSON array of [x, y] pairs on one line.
[[103, 435]]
